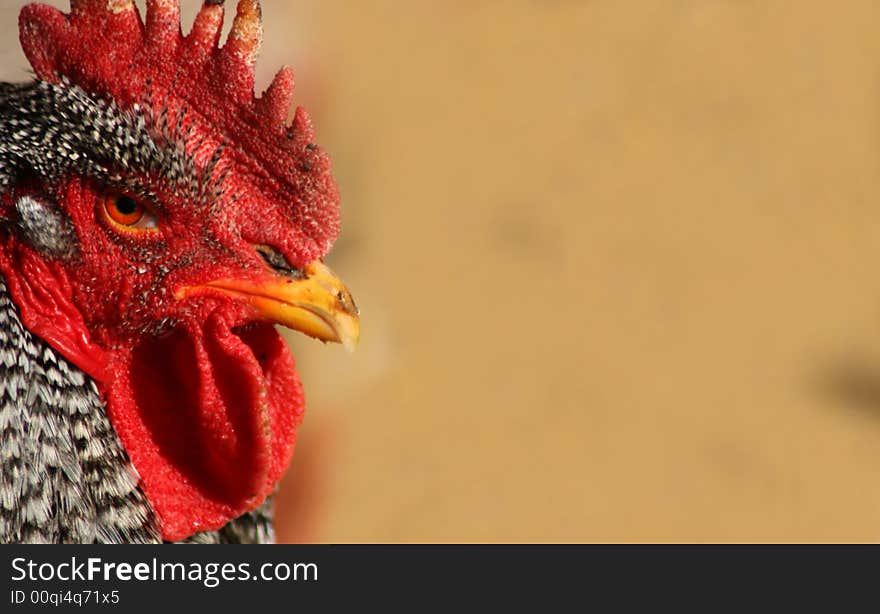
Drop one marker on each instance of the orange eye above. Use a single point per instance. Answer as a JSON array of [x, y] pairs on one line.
[[126, 212]]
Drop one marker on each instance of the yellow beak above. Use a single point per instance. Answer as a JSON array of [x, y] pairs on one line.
[[318, 305]]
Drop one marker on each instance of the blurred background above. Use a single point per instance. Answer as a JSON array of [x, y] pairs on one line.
[[616, 261]]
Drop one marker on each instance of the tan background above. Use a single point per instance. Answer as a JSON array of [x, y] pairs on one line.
[[617, 266]]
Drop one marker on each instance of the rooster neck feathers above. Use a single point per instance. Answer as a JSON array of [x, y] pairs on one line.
[[58, 451]]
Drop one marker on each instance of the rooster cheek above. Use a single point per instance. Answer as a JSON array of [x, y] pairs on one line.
[[45, 227]]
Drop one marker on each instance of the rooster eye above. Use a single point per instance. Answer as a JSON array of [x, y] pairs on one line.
[[125, 212]]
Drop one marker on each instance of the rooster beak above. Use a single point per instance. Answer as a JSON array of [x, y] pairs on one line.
[[317, 304]]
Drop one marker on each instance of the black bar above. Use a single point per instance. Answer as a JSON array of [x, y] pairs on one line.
[[545, 578]]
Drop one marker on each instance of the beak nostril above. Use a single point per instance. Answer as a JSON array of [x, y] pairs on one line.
[[278, 262]]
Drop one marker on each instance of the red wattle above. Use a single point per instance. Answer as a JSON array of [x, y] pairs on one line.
[[207, 414], [210, 429]]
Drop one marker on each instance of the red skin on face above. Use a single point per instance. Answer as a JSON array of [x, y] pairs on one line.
[[208, 409]]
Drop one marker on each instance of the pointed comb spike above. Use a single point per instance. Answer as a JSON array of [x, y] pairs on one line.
[[80, 6], [246, 35], [274, 105], [120, 6], [39, 25], [303, 132], [163, 22], [208, 25], [87, 6]]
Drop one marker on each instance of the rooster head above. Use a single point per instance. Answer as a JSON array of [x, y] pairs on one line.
[[161, 220]]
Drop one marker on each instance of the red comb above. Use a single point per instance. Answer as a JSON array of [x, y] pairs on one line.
[[104, 47]]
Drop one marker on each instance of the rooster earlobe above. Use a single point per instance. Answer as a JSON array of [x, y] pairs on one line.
[[45, 227]]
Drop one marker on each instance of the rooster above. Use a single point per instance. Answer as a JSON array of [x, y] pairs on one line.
[[157, 219]]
